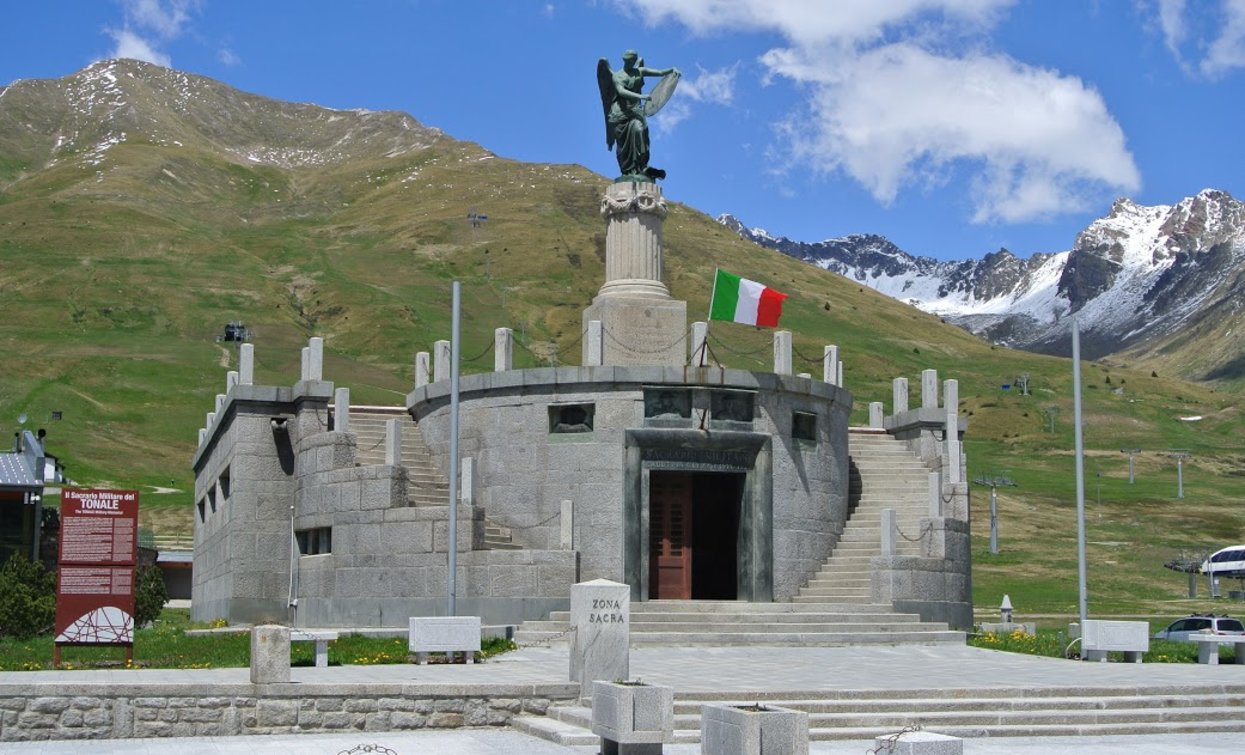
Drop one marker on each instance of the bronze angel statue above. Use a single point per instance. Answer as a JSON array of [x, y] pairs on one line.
[[627, 112]]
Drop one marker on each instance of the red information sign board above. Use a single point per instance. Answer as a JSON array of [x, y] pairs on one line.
[[95, 579]]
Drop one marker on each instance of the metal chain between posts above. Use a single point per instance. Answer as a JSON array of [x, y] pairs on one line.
[[924, 531], [549, 640], [481, 355], [747, 355], [369, 748], [631, 348], [578, 340], [807, 359]]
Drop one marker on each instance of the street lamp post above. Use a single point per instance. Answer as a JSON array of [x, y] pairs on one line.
[[1130, 452], [1179, 454], [994, 483]]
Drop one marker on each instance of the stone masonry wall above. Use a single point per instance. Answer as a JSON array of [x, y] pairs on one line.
[[112, 711]]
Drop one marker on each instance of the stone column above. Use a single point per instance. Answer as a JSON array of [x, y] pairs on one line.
[[305, 366], [231, 380], [441, 361], [421, 369], [951, 396], [830, 365], [341, 410], [466, 481], [700, 344], [935, 495], [642, 324], [899, 396], [315, 359], [929, 389], [503, 349], [600, 648], [782, 352], [246, 364], [270, 654], [566, 533], [839, 383], [888, 532], [220, 402], [393, 442], [877, 415], [594, 344]]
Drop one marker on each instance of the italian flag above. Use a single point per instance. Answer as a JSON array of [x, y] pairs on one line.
[[741, 300]]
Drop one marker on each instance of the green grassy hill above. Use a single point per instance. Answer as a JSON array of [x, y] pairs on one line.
[[119, 268]]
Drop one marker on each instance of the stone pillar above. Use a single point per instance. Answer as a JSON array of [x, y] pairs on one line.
[[594, 344], [421, 369], [503, 349], [839, 383], [600, 645], [211, 417], [830, 365], [700, 344], [305, 368], [441, 361], [341, 410], [220, 403], [270, 654], [246, 364], [466, 482], [315, 359], [929, 389], [877, 417], [899, 396], [782, 352], [393, 442], [955, 472], [202, 435], [231, 380], [935, 495], [888, 532], [642, 324], [566, 534], [951, 401]]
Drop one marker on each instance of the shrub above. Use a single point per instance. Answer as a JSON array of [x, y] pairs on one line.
[[150, 595], [27, 598]]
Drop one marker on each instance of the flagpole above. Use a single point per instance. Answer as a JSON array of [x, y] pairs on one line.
[[709, 317]]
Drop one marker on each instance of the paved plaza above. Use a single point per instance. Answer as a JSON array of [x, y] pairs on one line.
[[942, 668]]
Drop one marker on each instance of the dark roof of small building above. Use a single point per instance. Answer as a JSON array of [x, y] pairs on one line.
[[16, 473]]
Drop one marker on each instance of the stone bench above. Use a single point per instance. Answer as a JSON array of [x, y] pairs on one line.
[[322, 640], [444, 634], [1098, 637], [1208, 648]]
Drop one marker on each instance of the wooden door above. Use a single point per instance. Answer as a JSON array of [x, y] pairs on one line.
[[670, 534]]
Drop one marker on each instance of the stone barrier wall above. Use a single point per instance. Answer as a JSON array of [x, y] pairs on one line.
[[113, 711]]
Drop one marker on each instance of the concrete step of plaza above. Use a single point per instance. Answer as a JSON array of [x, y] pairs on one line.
[[990, 712], [855, 621]]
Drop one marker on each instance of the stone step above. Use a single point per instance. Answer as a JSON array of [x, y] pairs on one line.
[[865, 714]]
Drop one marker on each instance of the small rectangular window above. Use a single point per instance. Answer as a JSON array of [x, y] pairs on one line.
[[803, 426], [667, 403], [225, 487], [571, 418], [202, 511], [314, 541]]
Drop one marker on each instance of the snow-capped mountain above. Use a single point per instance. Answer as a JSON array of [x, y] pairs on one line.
[[1139, 276]]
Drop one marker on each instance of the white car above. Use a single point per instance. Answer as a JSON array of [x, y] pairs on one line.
[[1180, 629]]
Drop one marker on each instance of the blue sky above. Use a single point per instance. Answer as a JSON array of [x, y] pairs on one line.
[[953, 127]]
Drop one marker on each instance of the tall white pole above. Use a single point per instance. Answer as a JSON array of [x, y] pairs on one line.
[[452, 546], [1083, 601]]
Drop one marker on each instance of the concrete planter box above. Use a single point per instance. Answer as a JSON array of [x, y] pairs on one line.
[[753, 730], [632, 717]]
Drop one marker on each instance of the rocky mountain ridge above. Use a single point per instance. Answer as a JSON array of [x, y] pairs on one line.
[[1136, 279]]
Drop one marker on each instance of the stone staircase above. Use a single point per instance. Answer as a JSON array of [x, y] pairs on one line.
[[835, 608], [986, 712], [884, 474], [428, 485], [684, 623]]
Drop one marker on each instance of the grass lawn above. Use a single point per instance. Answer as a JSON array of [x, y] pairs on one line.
[[1054, 644], [166, 645]]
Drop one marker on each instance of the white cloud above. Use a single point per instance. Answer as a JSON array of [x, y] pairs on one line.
[[713, 87], [148, 25], [1035, 141], [228, 57], [906, 93], [1212, 35], [1227, 51], [130, 45]]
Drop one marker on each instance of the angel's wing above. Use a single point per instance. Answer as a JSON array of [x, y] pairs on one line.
[[605, 82]]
